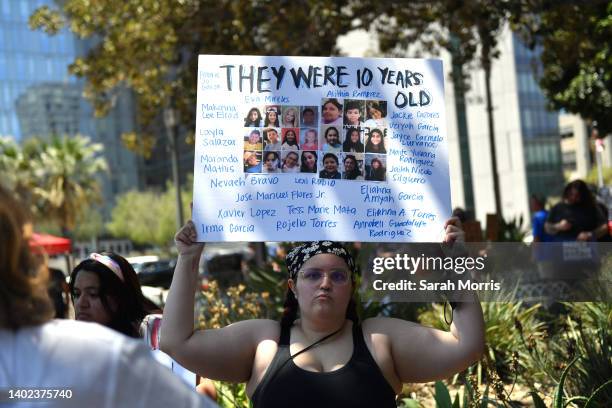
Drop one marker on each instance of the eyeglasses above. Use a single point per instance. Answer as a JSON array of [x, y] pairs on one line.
[[315, 276]]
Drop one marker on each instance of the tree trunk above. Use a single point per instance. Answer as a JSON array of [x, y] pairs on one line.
[[496, 192]]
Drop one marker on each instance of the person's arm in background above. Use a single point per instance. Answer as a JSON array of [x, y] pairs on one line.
[[600, 230], [552, 227]]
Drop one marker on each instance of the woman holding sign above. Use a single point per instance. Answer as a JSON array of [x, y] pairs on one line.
[[319, 354]]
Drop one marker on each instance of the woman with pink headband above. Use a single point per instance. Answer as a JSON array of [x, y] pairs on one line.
[[105, 290]]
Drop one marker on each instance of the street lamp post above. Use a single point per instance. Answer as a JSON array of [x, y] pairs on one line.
[[171, 131]]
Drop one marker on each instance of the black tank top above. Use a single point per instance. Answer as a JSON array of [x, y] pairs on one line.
[[359, 383]]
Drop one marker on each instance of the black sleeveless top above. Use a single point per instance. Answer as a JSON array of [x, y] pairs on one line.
[[359, 383]]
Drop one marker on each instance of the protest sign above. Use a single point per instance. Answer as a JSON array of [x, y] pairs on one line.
[[301, 148]]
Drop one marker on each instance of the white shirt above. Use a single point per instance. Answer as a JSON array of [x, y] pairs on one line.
[[101, 367]]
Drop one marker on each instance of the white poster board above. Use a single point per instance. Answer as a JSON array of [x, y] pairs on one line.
[[311, 148]]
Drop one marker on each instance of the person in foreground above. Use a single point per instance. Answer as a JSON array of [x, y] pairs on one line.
[[319, 354], [96, 365]]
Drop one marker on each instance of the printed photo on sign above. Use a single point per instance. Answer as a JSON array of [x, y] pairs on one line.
[[353, 140], [308, 162], [253, 118], [329, 138], [291, 162], [310, 116], [271, 162], [376, 167], [252, 162], [272, 116], [291, 116], [291, 139], [309, 138], [272, 139], [252, 140], [376, 114], [352, 166], [331, 112], [354, 112], [330, 166], [376, 140]]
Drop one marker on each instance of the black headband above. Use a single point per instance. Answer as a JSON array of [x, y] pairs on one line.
[[300, 254]]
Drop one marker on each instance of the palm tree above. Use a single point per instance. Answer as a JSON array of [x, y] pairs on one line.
[[16, 171], [66, 178]]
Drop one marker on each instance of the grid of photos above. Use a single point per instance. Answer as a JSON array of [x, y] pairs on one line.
[[348, 140], [353, 139], [281, 139]]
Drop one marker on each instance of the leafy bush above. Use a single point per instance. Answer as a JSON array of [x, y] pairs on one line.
[[581, 335], [216, 309], [505, 347]]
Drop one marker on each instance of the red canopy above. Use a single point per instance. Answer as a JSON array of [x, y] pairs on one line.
[[49, 244]]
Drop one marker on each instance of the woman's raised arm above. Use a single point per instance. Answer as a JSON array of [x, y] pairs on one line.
[[220, 354], [422, 354]]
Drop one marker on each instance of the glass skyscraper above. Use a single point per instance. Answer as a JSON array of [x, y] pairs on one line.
[[28, 58], [539, 127], [38, 97]]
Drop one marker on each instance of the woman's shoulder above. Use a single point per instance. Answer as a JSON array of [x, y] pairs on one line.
[[265, 328], [386, 325]]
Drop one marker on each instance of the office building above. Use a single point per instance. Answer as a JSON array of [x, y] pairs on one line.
[[38, 97], [527, 135]]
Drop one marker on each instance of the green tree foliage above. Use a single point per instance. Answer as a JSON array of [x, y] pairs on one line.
[[89, 224], [151, 46], [147, 217], [14, 168], [576, 55], [56, 179]]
